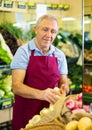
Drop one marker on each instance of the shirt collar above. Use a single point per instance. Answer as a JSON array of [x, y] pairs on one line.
[[32, 46]]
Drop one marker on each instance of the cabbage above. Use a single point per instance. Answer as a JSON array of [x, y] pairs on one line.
[[1, 93]]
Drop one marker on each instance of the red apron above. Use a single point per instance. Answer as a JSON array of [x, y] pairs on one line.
[[42, 72]]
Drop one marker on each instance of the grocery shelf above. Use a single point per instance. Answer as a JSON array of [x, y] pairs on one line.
[[4, 66]]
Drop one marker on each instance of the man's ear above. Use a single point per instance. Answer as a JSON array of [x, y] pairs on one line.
[[35, 29]]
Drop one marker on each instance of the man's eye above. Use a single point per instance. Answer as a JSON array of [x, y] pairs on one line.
[[45, 29], [53, 31]]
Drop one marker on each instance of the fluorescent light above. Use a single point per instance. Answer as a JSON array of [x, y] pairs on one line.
[[32, 22], [41, 9], [86, 21], [68, 19]]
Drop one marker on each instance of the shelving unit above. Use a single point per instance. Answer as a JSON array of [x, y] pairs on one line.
[[87, 75], [27, 6], [5, 104], [12, 6]]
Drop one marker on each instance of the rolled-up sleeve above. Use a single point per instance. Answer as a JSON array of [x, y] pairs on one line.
[[62, 62], [63, 65]]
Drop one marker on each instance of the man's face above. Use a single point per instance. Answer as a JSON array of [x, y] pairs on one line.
[[46, 33]]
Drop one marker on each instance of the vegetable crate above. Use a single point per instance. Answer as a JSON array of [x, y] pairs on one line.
[[6, 103]]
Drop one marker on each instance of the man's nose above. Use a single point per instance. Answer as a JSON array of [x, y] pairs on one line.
[[49, 34]]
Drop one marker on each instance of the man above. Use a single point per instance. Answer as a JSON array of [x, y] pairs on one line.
[[37, 68]]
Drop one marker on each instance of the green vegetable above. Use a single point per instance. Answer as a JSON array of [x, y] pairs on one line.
[[4, 55], [1, 93], [15, 31], [6, 87], [6, 84], [10, 94], [75, 73]]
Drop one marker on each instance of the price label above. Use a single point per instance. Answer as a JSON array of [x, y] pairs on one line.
[[6, 103]]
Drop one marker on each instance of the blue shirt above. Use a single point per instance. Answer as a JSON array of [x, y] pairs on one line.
[[21, 57]]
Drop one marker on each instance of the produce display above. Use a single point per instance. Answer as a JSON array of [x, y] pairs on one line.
[[88, 54], [5, 87], [87, 84], [68, 110], [75, 74], [10, 35], [71, 45], [10, 41], [6, 94], [87, 88], [88, 51], [5, 52], [76, 105]]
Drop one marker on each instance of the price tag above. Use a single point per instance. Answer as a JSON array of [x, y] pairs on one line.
[[6, 103], [21, 5], [8, 3]]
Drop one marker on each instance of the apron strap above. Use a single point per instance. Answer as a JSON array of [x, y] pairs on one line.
[[53, 54], [32, 53]]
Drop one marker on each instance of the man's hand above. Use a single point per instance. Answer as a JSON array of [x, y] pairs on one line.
[[63, 90], [49, 95]]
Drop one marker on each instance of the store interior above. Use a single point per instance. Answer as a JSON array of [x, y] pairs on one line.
[[17, 19]]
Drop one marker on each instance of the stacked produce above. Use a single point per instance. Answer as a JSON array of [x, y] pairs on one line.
[[88, 55], [87, 88], [8, 47], [76, 105], [5, 52], [12, 36], [5, 85], [85, 123], [68, 110], [9, 39], [71, 45]]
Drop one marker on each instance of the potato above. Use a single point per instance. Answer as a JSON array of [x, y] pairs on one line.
[[44, 112], [72, 125], [33, 121], [57, 89], [85, 123]]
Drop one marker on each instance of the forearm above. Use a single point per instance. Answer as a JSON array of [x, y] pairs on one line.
[[63, 84], [25, 91], [66, 88], [21, 89]]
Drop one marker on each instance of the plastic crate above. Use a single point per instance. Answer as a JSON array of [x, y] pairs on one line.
[[6, 103]]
